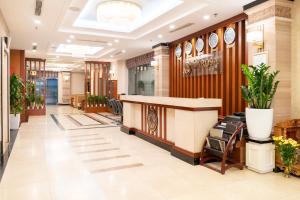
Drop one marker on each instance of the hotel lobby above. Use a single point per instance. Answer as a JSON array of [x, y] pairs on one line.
[[149, 99]]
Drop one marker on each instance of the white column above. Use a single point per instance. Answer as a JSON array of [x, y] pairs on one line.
[[162, 70]]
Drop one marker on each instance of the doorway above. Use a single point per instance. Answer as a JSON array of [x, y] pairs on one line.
[[51, 91]]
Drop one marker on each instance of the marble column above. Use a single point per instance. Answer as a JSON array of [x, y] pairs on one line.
[[162, 70], [274, 18]]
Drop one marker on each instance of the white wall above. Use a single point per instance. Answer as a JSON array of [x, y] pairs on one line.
[[3, 26], [77, 83], [121, 74], [295, 42]]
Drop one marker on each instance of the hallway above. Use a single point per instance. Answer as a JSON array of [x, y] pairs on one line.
[[103, 163]]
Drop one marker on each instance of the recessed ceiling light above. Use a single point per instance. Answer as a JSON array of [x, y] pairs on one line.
[[206, 17], [123, 51], [72, 36], [109, 44], [159, 35], [69, 41], [37, 22], [34, 44], [172, 26], [116, 40], [111, 56]]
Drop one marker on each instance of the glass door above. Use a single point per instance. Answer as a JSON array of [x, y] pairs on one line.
[[51, 91]]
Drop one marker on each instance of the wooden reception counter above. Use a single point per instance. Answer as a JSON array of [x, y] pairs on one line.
[[178, 125]]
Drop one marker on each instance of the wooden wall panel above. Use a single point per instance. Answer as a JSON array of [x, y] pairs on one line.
[[226, 85]]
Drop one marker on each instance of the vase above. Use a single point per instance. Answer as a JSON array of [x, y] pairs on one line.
[[287, 171]]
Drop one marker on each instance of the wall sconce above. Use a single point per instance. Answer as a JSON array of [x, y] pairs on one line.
[[154, 63], [256, 38], [112, 74]]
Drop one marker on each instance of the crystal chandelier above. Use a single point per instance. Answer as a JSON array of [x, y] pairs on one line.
[[118, 12]]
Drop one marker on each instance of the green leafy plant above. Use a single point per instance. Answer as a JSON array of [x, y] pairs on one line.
[[16, 94], [91, 99], [141, 85], [39, 100], [30, 93], [261, 86], [98, 100]]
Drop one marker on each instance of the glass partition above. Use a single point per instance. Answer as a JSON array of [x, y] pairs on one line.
[[141, 80]]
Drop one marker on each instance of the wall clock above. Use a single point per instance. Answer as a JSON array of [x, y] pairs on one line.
[[188, 48], [213, 40], [178, 51], [199, 45], [229, 36]]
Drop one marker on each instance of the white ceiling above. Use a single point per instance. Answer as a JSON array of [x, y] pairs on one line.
[[58, 18]]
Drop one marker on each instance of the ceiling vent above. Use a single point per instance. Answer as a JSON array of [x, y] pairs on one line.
[[93, 41], [38, 7], [182, 27]]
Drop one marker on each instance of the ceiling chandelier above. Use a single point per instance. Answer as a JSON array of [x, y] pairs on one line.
[[118, 12]]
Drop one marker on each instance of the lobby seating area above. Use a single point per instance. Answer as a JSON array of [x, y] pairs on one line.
[[149, 99]]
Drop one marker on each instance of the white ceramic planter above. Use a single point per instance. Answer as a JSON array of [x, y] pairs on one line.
[[14, 121], [259, 123]]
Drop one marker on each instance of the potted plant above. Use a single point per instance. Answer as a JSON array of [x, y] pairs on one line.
[[30, 94], [16, 101], [287, 149], [258, 94]]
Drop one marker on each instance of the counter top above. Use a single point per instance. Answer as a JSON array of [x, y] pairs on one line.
[[192, 103]]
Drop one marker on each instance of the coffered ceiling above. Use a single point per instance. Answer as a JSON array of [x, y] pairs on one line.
[[68, 32]]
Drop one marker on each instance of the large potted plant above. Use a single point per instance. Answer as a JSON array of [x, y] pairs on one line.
[[258, 94], [16, 101]]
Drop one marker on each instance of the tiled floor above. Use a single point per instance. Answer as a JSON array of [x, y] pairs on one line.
[[87, 164]]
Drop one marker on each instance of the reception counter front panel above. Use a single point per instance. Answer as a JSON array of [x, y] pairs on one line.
[[178, 125]]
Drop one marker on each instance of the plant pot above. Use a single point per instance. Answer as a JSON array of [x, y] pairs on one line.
[[259, 123], [14, 121]]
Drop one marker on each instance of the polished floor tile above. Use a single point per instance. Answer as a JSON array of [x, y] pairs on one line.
[[50, 163]]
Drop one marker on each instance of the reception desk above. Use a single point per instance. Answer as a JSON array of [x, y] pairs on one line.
[[179, 125]]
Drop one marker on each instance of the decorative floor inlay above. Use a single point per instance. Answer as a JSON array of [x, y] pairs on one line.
[[82, 135], [86, 139], [90, 145], [98, 150], [116, 118], [117, 168], [106, 158], [82, 121]]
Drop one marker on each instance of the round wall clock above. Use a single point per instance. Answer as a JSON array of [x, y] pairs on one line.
[[199, 44], [213, 40], [188, 48], [229, 35], [178, 51]]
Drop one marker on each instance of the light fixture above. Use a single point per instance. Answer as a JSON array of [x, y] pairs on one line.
[[34, 44], [172, 26], [123, 51], [159, 35], [118, 12], [78, 49], [111, 56], [116, 41], [256, 38], [69, 41], [37, 22], [72, 36], [109, 44], [206, 17], [34, 50]]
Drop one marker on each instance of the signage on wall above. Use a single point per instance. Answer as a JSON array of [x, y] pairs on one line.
[[204, 64]]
